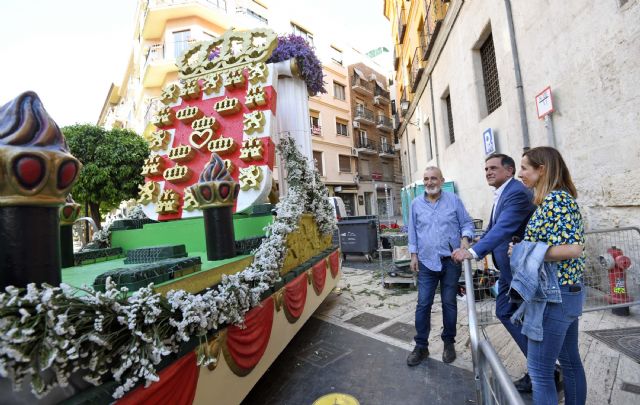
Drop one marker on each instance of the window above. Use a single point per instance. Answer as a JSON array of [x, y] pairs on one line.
[[344, 163], [297, 30], [314, 118], [383, 141], [338, 91], [364, 168], [386, 172], [180, 42], [317, 157], [447, 101], [426, 127], [490, 75], [336, 55], [342, 128], [362, 137]]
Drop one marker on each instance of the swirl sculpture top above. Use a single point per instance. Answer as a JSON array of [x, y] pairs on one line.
[[36, 168], [215, 170]]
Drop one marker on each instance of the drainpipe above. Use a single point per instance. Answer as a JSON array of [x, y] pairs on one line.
[[516, 67], [435, 131]]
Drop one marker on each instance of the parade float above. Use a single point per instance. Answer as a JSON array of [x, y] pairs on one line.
[[195, 305]]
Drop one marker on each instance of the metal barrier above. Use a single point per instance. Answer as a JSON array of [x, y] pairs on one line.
[[612, 268], [493, 384]]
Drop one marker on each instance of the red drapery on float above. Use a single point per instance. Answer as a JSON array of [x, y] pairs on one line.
[[295, 296], [319, 273], [334, 263], [245, 346], [177, 385]]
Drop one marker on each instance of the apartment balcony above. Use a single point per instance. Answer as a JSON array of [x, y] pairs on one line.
[[404, 103], [159, 62], [402, 26], [435, 12], [364, 116], [366, 146], [416, 70], [316, 130], [396, 58], [360, 85], [380, 96], [158, 12], [387, 150], [384, 123]]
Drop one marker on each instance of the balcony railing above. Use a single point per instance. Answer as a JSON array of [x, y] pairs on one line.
[[221, 4], [380, 96], [416, 70], [156, 53], [387, 150], [364, 115], [402, 26], [365, 145], [384, 123], [433, 21], [361, 85], [316, 130]]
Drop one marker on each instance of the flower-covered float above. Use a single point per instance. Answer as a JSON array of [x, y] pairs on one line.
[[204, 299]]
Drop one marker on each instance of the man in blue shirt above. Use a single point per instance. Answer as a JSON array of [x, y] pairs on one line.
[[438, 225]]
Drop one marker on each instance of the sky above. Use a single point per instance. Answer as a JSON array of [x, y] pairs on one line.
[[70, 51]]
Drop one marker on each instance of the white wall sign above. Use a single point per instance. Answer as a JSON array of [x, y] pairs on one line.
[[544, 104], [489, 141]]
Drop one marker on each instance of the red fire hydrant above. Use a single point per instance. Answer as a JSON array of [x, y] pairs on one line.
[[616, 262]]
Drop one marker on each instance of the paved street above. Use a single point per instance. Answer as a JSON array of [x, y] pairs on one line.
[[364, 333]]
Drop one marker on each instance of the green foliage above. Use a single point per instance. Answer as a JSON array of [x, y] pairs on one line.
[[112, 161]]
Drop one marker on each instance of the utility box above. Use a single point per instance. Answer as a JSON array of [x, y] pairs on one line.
[[359, 235]]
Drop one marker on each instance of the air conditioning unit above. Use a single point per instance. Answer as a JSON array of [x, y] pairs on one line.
[[356, 124], [354, 152]]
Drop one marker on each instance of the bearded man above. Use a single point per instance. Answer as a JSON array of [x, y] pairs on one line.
[[438, 225]]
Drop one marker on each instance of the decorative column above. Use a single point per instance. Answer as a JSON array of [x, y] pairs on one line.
[[216, 193], [36, 173], [69, 212]]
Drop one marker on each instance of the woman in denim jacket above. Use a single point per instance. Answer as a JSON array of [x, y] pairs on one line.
[[558, 223]]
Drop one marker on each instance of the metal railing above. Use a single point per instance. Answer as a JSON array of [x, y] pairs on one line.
[[364, 113], [416, 70], [378, 91], [387, 149], [358, 81], [493, 383], [365, 143], [316, 129]]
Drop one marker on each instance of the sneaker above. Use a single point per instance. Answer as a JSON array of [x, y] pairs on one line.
[[449, 353], [417, 355], [523, 385], [557, 378]]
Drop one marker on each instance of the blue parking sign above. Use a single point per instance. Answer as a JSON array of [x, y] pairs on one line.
[[489, 142]]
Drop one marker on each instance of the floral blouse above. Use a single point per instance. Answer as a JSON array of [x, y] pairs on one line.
[[558, 221]]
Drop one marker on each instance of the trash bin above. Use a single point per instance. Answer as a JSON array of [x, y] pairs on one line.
[[359, 235]]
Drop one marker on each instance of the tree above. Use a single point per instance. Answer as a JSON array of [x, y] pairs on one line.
[[112, 162]]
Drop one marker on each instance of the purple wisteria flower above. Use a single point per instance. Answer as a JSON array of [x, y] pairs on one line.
[[294, 46]]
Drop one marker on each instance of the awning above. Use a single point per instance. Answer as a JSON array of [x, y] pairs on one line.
[[382, 85], [359, 73]]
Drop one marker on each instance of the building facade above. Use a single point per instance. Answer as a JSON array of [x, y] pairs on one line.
[[469, 70], [378, 168]]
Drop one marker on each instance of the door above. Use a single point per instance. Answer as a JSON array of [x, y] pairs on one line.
[[367, 203]]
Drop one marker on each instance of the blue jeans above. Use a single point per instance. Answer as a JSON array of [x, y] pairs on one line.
[[427, 283], [559, 342], [504, 311]]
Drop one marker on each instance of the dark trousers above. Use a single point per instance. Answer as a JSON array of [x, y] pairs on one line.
[[427, 283], [504, 310]]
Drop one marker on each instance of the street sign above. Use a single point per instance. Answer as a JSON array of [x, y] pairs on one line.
[[544, 103], [489, 141]]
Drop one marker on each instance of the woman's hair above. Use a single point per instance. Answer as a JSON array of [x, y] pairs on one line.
[[555, 175]]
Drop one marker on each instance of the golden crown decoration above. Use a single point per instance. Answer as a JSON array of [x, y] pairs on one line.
[[232, 50]]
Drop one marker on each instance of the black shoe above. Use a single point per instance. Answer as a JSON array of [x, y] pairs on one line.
[[449, 353], [417, 355], [524, 384], [557, 378]]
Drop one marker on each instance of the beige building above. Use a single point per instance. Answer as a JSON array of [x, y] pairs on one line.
[[468, 69]]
